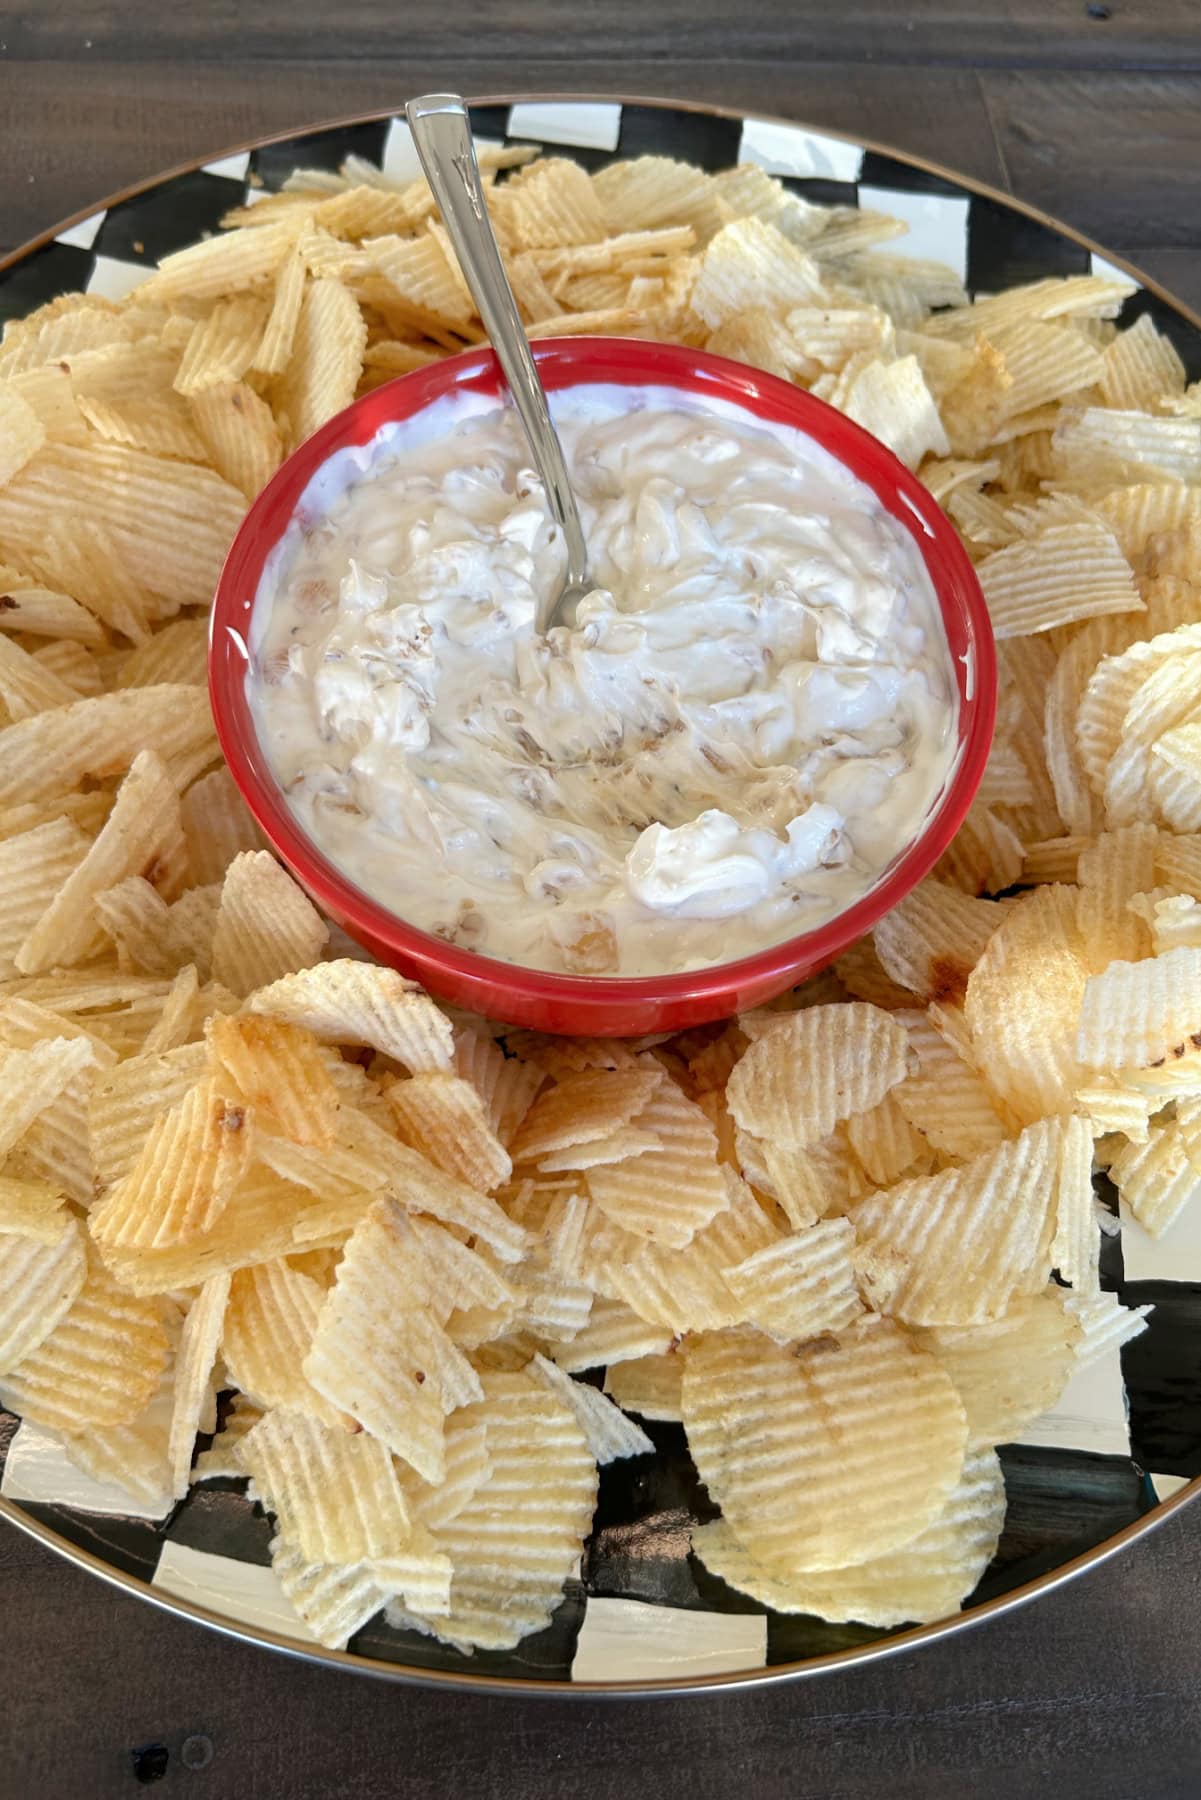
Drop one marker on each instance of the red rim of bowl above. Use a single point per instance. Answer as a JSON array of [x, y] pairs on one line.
[[485, 981]]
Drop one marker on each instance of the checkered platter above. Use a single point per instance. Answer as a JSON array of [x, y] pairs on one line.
[[1126, 1435]]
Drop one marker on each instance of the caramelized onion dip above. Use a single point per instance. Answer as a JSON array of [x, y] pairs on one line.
[[747, 722]]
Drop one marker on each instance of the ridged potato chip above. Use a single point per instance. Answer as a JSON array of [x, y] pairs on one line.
[[217, 825], [349, 1002], [669, 1193], [1008, 1371], [125, 1102], [378, 1354], [584, 1107], [800, 1287], [823, 1454], [268, 1329], [514, 1544], [191, 1161], [933, 939], [1156, 1179], [101, 1364], [444, 1118], [824, 1064], [39, 1283], [614, 1334], [921, 1581], [648, 1385], [1023, 1003], [34, 1210], [957, 1247], [334, 1493], [194, 1360], [1132, 1015], [142, 834], [266, 926], [609, 1435], [279, 1070]]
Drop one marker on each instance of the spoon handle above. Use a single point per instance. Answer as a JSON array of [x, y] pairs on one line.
[[442, 133]]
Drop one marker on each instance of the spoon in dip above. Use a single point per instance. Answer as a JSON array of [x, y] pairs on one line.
[[442, 133]]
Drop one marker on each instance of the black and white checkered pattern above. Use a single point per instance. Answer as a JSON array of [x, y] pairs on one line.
[[1127, 1432]]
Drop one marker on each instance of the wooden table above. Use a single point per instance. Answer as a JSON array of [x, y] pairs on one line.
[[1092, 111]]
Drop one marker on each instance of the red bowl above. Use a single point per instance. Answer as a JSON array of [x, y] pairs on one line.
[[601, 1005]]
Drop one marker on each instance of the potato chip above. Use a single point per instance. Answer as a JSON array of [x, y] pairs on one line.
[[222, 345], [351, 1002], [334, 1493], [923, 1580], [800, 1287], [516, 1541], [750, 263], [823, 1065], [142, 835], [1105, 1325], [443, 1117], [1045, 362], [1076, 1245], [887, 1144], [327, 357], [1011, 1370], [191, 1161], [648, 1385], [1069, 572], [266, 926], [1023, 1003], [170, 522], [334, 1600], [1073, 296], [231, 262], [610, 1436], [268, 1329], [672, 1191], [892, 401], [132, 1456], [39, 1283], [955, 1248], [33, 864], [1140, 367], [683, 1290], [1107, 444], [614, 1334], [239, 433], [1132, 1015], [99, 1366], [194, 1362], [217, 825], [378, 1353], [275, 346], [34, 1210], [125, 1102], [278, 1069], [34, 1079], [1156, 1179], [655, 190], [933, 939], [384, 1161], [823, 1454], [805, 1184], [22, 433], [222, 1460]]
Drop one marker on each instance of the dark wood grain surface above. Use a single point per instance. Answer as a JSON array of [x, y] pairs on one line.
[[1092, 112]]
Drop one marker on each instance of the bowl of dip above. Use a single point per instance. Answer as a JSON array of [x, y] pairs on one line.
[[760, 731]]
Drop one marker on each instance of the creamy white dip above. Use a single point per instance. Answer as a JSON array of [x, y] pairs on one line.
[[748, 722]]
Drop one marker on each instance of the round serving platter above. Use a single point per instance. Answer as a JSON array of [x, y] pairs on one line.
[[1122, 1448]]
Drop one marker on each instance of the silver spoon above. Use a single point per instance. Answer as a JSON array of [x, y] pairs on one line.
[[442, 133]]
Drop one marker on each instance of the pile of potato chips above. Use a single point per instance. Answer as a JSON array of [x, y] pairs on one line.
[[850, 1240]]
